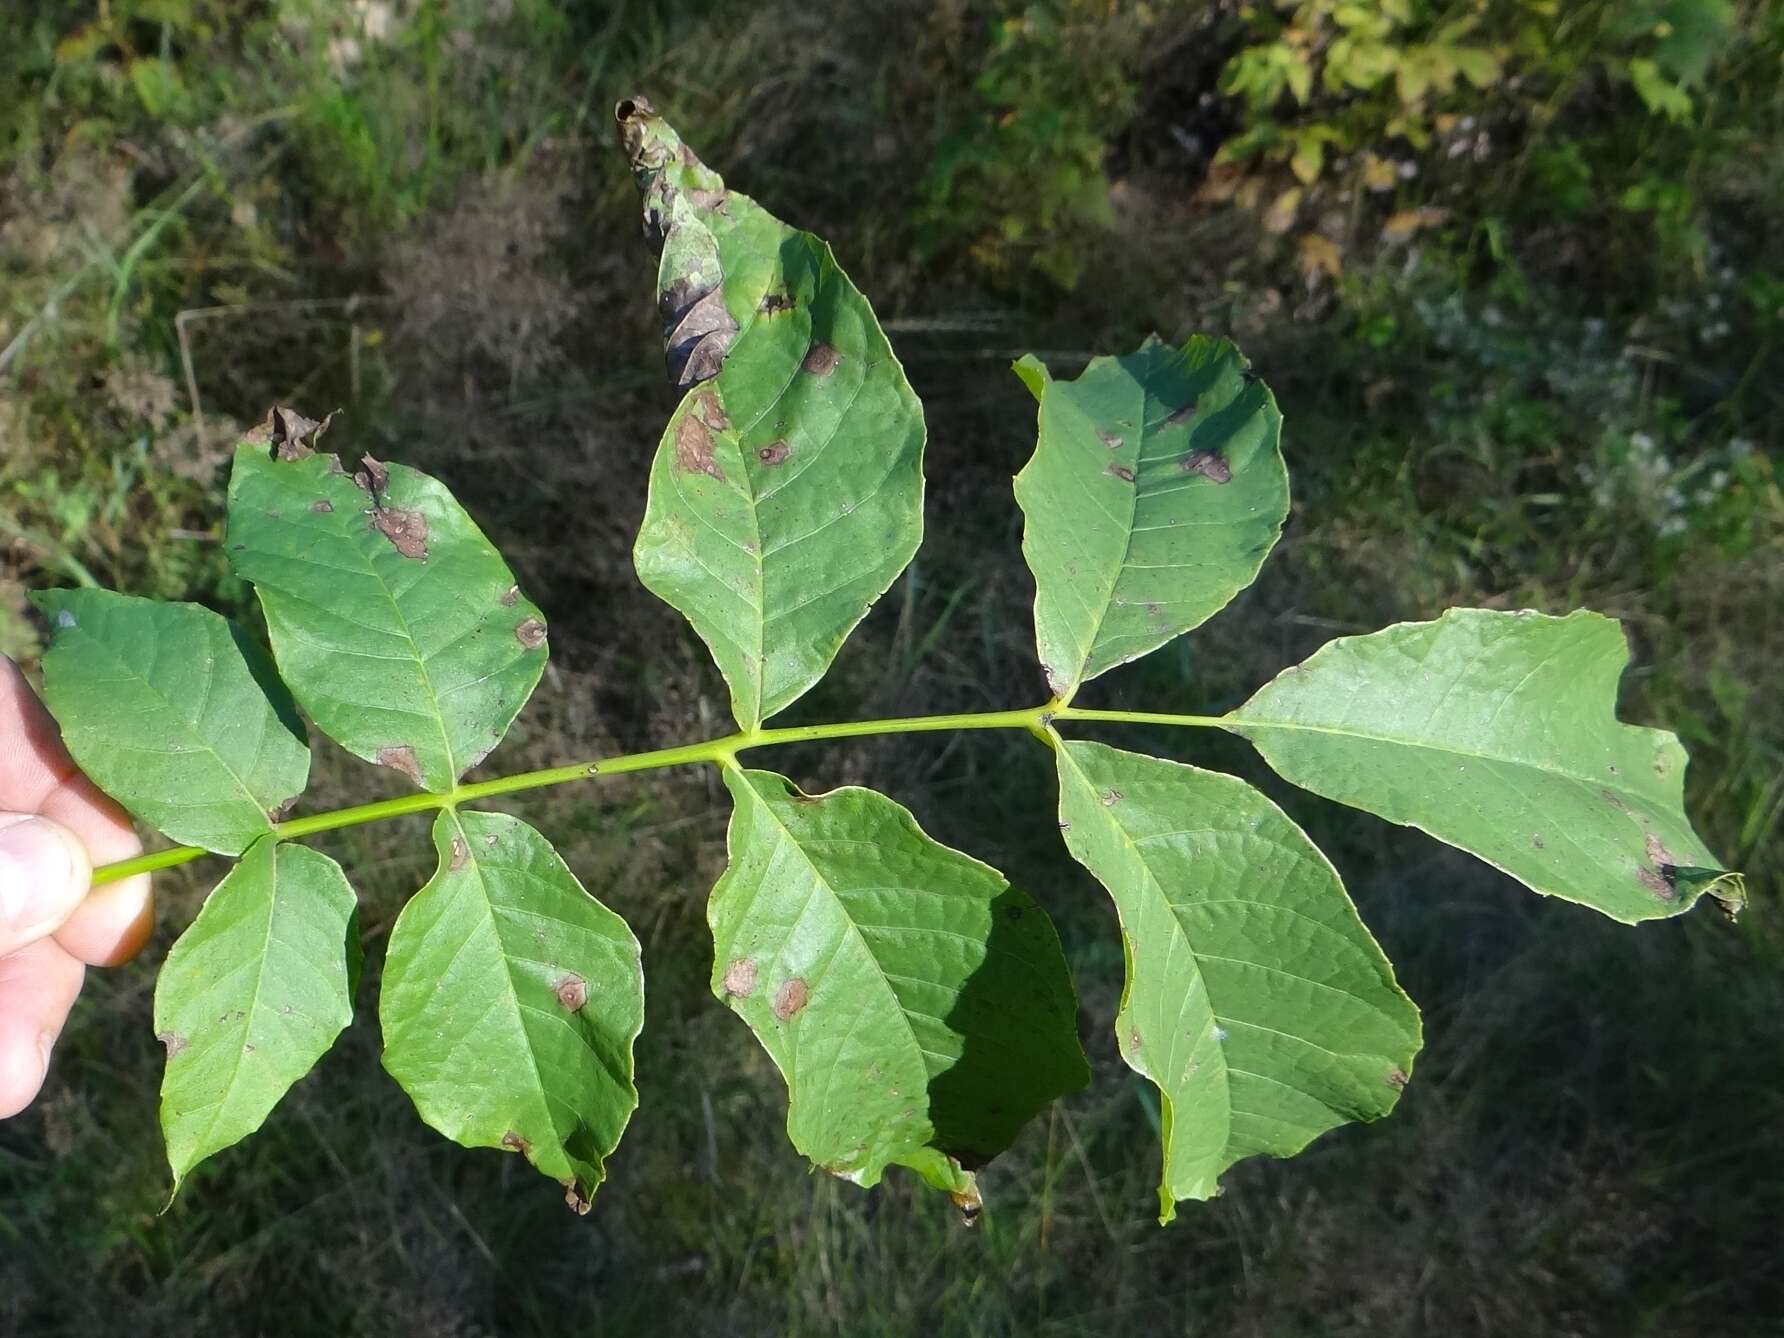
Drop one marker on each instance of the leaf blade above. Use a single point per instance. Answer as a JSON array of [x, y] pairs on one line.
[[1497, 733], [880, 970], [175, 714], [786, 494], [503, 954], [1284, 1019], [252, 995], [396, 623], [1155, 493]]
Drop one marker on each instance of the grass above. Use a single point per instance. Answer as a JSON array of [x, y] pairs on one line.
[[441, 244]]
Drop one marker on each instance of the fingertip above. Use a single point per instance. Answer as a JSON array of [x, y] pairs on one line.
[[112, 924], [44, 873]]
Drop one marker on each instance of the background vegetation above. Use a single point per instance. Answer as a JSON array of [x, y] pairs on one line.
[[1513, 268]]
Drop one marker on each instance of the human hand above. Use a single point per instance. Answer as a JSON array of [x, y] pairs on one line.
[[55, 825]]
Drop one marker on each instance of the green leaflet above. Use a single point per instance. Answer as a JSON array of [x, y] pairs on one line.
[[511, 999], [175, 714], [252, 995], [1497, 732], [1155, 492], [1255, 998], [918, 1006], [787, 492], [396, 623]]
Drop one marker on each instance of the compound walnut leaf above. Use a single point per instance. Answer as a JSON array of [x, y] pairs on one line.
[[787, 493], [252, 995], [1497, 732], [396, 623], [1255, 998], [1155, 493], [918, 1006], [174, 713], [510, 1003]]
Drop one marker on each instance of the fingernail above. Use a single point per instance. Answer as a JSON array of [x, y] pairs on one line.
[[36, 868]]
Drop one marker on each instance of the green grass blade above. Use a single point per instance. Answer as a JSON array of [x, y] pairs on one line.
[[510, 1003], [1155, 493], [252, 995], [918, 1006], [175, 714], [1497, 732], [1255, 999], [395, 622]]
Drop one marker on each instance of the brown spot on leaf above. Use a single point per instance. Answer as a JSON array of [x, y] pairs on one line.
[[1111, 798], [511, 596], [461, 852], [1112, 441], [1396, 1078], [1657, 852], [1610, 797], [173, 1041], [774, 452], [1181, 416], [773, 304], [406, 530], [1133, 1039], [322, 506], [401, 757], [1121, 472], [572, 992], [693, 447], [790, 998], [515, 1143], [1209, 465], [820, 359], [530, 633], [1656, 884], [373, 476], [1536, 840], [740, 978]]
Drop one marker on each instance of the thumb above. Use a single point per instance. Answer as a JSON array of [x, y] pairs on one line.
[[44, 874]]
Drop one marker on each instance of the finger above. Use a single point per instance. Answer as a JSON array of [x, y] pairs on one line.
[[38, 775], [115, 920], [44, 873], [38, 985]]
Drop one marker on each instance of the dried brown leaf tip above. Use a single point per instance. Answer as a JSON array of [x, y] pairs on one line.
[[291, 435], [1210, 465]]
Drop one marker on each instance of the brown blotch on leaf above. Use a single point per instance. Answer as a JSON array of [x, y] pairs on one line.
[[515, 1143], [1111, 798], [1396, 1078], [1610, 797], [406, 530], [772, 304], [1536, 840], [372, 476], [1112, 441], [1181, 416], [1121, 472], [322, 506], [1656, 884], [697, 329], [278, 812], [740, 978], [461, 852], [693, 447], [820, 359], [511, 596], [1657, 852], [774, 452], [572, 992], [530, 633], [173, 1041], [1133, 1038], [1209, 465], [401, 757], [790, 998]]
